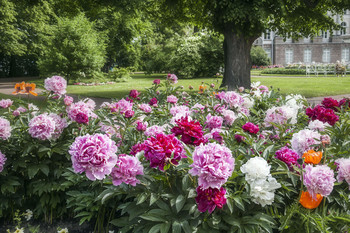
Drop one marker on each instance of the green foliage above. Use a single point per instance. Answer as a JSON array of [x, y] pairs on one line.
[[119, 74], [259, 57], [283, 71], [75, 49]]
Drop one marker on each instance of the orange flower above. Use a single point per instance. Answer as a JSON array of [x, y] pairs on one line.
[[18, 88], [308, 202], [201, 89], [312, 157], [29, 88]]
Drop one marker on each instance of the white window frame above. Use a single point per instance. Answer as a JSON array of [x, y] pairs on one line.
[[268, 52], [267, 35], [307, 55], [345, 54], [289, 56], [326, 55], [343, 28]]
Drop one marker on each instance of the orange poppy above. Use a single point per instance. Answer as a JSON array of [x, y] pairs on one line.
[[29, 88], [201, 89], [308, 202], [312, 156], [18, 88]]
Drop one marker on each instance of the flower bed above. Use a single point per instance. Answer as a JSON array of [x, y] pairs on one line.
[[167, 161]]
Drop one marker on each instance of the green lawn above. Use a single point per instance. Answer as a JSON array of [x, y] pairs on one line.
[[306, 86]]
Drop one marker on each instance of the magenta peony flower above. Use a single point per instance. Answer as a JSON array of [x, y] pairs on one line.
[[251, 128], [80, 112], [320, 113], [209, 199], [42, 127], [68, 100], [162, 150], [156, 81], [343, 168], [153, 102], [141, 126], [129, 113], [137, 148], [94, 155], [190, 131], [145, 107], [5, 129], [343, 102], [5, 103], [82, 118], [330, 103], [56, 84], [16, 113], [303, 140], [172, 99], [134, 94], [319, 180], [2, 161], [288, 156], [126, 170], [239, 138], [213, 122], [172, 78], [213, 164]]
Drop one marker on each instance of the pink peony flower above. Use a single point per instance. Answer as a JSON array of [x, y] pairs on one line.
[[190, 131], [251, 128], [172, 78], [280, 116], [229, 116], [239, 138], [94, 155], [233, 99], [145, 107], [80, 112], [213, 164], [153, 102], [68, 100], [162, 150], [21, 109], [154, 130], [183, 110], [42, 127], [16, 113], [343, 168], [303, 140], [319, 180], [156, 81], [141, 126], [129, 113], [122, 106], [209, 199], [134, 94], [2, 161], [263, 89], [288, 156], [56, 84], [213, 122], [60, 124], [172, 99], [6, 103], [126, 170]]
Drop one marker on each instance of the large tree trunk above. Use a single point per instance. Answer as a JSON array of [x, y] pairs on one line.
[[237, 60]]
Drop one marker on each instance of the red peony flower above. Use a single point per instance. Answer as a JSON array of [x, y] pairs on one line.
[[153, 101], [251, 128], [190, 131], [209, 199], [330, 103], [134, 94], [326, 115], [162, 150]]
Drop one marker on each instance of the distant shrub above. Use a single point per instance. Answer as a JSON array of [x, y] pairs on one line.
[[283, 71], [259, 57], [119, 75]]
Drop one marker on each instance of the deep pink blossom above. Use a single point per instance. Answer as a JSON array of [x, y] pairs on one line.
[[145, 107], [319, 180], [213, 122], [190, 131], [162, 150], [156, 81], [80, 112], [330, 103], [122, 106], [210, 198], [323, 114], [233, 99], [251, 128], [137, 148], [126, 170], [94, 155], [5, 103], [56, 84], [141, 126], [172, 78], [288, 156], [2, 161], [239, 138], [213, 164], [153, 101], [134, 94], [129, 113]]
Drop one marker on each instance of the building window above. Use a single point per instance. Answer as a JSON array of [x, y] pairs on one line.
[[345, 55], [289, 56], [307, 55], [268, 52], [326, 55], [343, 28], [324, 35], [267, 35], [307, 39]]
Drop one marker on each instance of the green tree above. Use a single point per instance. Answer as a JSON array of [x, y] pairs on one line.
[[243, 21], [259, 57], [75, 49]]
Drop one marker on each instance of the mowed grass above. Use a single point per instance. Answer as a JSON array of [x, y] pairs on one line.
[[307, 86]]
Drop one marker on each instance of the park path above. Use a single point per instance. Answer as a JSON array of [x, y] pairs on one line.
[[7, 87]]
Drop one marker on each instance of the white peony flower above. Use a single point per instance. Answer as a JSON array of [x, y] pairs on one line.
[[295, 101], [303, 140], [263, 191], [318, 125], [255, 168]]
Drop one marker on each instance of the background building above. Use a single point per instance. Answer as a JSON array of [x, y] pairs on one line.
[[325, 48]]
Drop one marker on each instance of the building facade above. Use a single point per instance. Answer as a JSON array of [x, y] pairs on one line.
[[325, 48]]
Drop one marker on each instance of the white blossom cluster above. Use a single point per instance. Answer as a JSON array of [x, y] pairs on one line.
[[262, 184]]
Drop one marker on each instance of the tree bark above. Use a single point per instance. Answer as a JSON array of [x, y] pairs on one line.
[[237, 60]]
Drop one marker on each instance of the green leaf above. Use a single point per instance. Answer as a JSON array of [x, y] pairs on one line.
[[155, 228], [176, 227], [141, 198], [45, 169], [152, 217], [239, 202], [180, 202], [186, 227], [231, 220], [153, 199], [32, 171], [165, 227]]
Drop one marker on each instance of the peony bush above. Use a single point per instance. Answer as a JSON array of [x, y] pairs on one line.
[[165, 160]]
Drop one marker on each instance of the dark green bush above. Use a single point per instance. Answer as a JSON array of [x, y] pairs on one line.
[[259, 57], [283, 71]]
